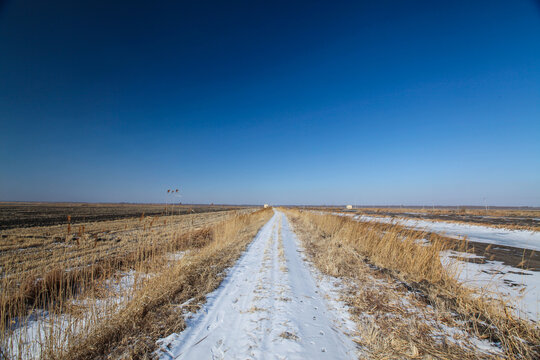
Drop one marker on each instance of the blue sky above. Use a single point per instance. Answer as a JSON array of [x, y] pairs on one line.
[[271, 102]]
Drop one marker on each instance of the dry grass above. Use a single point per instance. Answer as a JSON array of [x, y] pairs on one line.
[[155, 310], [289, 336], [354, 250], [525, 213], [36, 249], [464, 216], [36, 261], [43, 269], [28, 214]]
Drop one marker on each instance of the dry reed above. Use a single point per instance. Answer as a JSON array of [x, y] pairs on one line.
[[402, 254], [46, 272]]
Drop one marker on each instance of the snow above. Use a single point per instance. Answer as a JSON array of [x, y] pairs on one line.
[[269, 303], [484, 234], [521, 288], [29, 335], [462, 338], [176, 255], [517, 286]]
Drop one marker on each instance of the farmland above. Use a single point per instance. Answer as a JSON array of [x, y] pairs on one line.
[[21, 214], [49, 271], [236, 282], [524, 219], [296, 180]]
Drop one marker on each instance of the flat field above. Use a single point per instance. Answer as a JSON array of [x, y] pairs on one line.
[[511, 218], [26, 214], [233, 282]]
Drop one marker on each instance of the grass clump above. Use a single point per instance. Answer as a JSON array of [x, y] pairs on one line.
[[343, 247]]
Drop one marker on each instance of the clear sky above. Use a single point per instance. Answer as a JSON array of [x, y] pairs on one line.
[[290, 102]]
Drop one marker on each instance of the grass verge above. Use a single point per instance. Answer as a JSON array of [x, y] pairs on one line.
[[342, 247]]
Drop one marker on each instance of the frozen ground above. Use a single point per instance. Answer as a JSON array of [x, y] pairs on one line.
[[484, 234], [520, 287], [269, 305], [41, 327]]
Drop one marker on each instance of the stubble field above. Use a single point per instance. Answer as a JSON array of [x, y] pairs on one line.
[[241, 282]]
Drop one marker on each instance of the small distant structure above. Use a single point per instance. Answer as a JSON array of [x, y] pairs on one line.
[[349, 207], [266, 205]]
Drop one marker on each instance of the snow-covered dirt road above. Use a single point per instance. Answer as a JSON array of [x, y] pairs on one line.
[[270, 306]]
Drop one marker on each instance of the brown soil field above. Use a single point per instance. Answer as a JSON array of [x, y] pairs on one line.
[[62, 270], [503, 218], [27, 214], [39, 249], [29, 256], [506, 220], [508, 255]]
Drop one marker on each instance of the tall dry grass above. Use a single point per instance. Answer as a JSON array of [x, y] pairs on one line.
[[44, 281], [156, 309], [401, 253], [36, 261]]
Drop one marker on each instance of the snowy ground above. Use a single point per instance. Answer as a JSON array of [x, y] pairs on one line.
[[271, 302], [28, 335], [521, 287], [484, 234], [41, 327]]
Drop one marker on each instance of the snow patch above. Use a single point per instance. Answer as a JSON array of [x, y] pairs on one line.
[[484, 234]]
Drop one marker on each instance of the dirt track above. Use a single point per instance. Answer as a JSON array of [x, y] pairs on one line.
[[270, 306]]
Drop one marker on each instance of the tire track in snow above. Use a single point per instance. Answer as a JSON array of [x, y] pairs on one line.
[[268, 307]]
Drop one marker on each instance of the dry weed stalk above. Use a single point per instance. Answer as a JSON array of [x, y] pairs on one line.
[[347, 245], [153, 311], [50, 275], [68, 225]]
